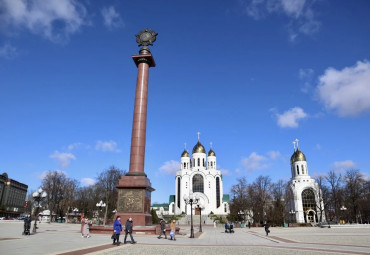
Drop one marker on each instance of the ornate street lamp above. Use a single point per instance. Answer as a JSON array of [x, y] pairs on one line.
[[191, 199], [100, 206], [200, 207], [38, 196], [343, 209], [292, 213]]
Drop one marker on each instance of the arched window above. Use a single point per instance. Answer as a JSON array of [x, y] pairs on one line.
[[204, 163], [297, 169], [198, 183], [184, 165], [178, 191], [308, 201], [211, 163], [302, 169], [218, 198], [198, 161], [225, 208]]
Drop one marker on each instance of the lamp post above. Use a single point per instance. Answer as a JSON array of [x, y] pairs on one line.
[[38, 196], [100, 206], [200, 207], [291, 212], [343, 209], [191, 199]]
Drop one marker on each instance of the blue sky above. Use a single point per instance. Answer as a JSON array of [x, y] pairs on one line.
[[251, 76]]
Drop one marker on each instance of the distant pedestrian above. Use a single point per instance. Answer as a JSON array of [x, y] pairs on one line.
[[27, 225], [173, 230], [231, 227], [267, 226], [226, 227], [214, 224], [128, 229], [249, 224], [117, 228], [162, 224], [86, 229]]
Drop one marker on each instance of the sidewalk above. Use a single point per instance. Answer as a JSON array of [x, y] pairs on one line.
[[65, 239]]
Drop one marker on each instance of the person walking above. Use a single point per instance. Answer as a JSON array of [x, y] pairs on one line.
[[86, 229], [267, 226], [214, 224], [163, 229], [117, 228], [173, 230], [128, 229], [249, 224], [226, 227]]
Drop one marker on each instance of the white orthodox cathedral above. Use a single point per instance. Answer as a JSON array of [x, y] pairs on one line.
[[199, 175], [305, 194]]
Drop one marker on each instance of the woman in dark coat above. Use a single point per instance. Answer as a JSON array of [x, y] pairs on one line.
[[267, 226], [117, 228]]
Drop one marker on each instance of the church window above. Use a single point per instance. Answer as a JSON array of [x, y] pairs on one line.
[[218, 198], [198, 161], [204, 163], [211, 164], [225, 207], [184, 165], [308, 200], [178, 192], [198, 183], [173, 208], [302, 169], [209, 184], [297, 169]]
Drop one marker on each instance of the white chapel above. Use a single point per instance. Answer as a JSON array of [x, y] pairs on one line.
[[305, 194], [199, 175]]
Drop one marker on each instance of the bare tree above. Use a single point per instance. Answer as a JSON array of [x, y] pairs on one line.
[[322, 193], [277, 210], [335, 183], [107, 181], [354, 191], [259, 196], [238, 203]]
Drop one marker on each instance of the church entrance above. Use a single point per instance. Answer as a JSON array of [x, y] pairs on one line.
[[310, 217], [197, 211]]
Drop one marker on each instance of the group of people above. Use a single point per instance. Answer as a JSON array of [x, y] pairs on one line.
[[117, 229], [162, 224], [229, 227]]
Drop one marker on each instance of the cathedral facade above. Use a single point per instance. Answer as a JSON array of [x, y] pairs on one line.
[[306, 205], [199, 175]]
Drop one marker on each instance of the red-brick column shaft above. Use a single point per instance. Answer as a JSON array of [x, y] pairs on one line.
[[138, 137]]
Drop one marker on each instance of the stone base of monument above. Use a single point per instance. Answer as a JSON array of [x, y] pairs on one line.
[[137, 230]]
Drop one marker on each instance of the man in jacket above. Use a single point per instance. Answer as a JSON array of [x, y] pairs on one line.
[[163, 229], [128, 230], [27, 224]]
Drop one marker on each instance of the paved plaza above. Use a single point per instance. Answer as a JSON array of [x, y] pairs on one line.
[[65, 239]]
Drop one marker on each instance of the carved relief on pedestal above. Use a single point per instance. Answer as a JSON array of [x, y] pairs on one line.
[[131, 200]]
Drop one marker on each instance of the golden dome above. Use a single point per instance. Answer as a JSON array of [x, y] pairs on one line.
[[185, 154], [297, 156], [211, 153], [198, 148]]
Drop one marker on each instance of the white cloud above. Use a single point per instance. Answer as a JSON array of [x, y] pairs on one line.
[[74, 146], [64, 159], [106, 146], [8, 51], [53, 19], [306, 77], [346, 91], [170, 167], [87, 181], [274, 154], [223, 171], [112, 18], [344, 165], [299, 12], [291, 117], [254, 162]]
